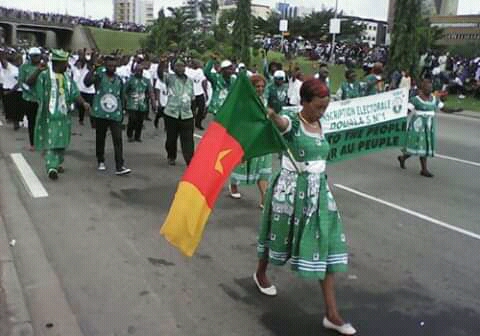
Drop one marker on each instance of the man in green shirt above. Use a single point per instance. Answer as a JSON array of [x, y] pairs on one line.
[[139, 93], [33, 67], [276, 93], [55, 93], [108, 111], [221, 82], [178, 114]]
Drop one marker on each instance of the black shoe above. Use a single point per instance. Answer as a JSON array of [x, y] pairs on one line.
[[53, 174], [123, 171], [426, 173], [155, 123], [130, 139], [148, 119], [171, 162], [138, 140], [402, 162], [16, 126], [200, 127]]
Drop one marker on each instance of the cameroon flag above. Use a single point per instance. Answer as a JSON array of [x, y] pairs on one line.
[[240, 131]]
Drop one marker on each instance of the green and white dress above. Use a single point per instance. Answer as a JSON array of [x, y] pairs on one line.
[[421, 129], [300, 221]]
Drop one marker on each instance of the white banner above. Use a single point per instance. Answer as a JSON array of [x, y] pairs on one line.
[[365, 111]]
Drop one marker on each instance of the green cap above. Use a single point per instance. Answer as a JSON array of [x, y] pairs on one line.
[[59, 55]]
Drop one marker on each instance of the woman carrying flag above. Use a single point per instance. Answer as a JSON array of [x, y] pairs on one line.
[[257, 170], [300, 220]]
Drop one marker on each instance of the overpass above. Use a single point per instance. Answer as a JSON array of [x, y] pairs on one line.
[[48, 34]]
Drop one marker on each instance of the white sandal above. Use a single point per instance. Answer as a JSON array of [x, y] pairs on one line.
[[270, 291], [345, 329], [236, 195]]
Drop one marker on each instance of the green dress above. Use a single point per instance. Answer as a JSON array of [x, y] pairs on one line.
[[300, 221], [55, 94], [220, 87], [421, 128]]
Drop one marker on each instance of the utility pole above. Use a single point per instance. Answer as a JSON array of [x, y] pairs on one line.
[[332, 52], [84, 9]]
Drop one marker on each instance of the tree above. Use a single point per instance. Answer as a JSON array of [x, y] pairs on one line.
[[214, 10], [242, 31], [404, 47]]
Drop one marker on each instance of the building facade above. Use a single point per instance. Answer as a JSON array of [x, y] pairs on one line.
[[134, 11], [287, 11], [429, 8], [458, 29], [375, 31], [124, 11], [262, 11]]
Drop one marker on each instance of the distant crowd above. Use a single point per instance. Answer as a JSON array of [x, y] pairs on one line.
[[106, 23]]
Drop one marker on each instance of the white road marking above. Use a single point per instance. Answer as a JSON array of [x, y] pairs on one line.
[[476, 164], [410, 212], [29, 178]]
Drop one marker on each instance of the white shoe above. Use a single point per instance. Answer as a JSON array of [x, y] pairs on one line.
[[345, 329], [236, 195], [102, 167], [270, 291]]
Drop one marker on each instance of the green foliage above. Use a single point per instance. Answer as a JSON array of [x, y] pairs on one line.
[[312, 27], [242, 31], [169, 33], [469, 50], [111, 40], [404, 49], [428, 36]]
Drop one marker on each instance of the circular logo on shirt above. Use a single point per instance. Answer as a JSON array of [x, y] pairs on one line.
[[109, 103]]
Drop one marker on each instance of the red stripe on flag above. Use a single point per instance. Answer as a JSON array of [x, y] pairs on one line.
[[217, 154]]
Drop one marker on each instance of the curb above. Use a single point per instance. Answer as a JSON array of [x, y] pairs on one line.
[[20, 320], [474, 115], [41, 308]]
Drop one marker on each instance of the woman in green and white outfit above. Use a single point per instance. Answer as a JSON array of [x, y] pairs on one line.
[[421, 128], [257, 170], [300, 221]]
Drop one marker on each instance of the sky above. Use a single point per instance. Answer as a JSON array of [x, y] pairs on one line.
[[375, 9]]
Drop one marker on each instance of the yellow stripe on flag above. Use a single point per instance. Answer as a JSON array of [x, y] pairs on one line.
[[186, 219]]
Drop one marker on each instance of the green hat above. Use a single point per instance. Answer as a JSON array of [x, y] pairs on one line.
[[59, 55]]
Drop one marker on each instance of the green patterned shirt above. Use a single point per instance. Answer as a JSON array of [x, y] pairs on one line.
[[276, 96], [180, 95], [137, 92], [25, 72], [53, 124], [220, 87], [108, 101]]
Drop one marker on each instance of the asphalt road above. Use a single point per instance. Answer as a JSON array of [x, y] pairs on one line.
[[414, 246]]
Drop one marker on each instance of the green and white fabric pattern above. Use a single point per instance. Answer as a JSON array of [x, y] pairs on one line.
[[300, 221], [421, 129]]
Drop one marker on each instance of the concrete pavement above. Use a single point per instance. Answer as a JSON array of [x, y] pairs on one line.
[[97, 237]]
